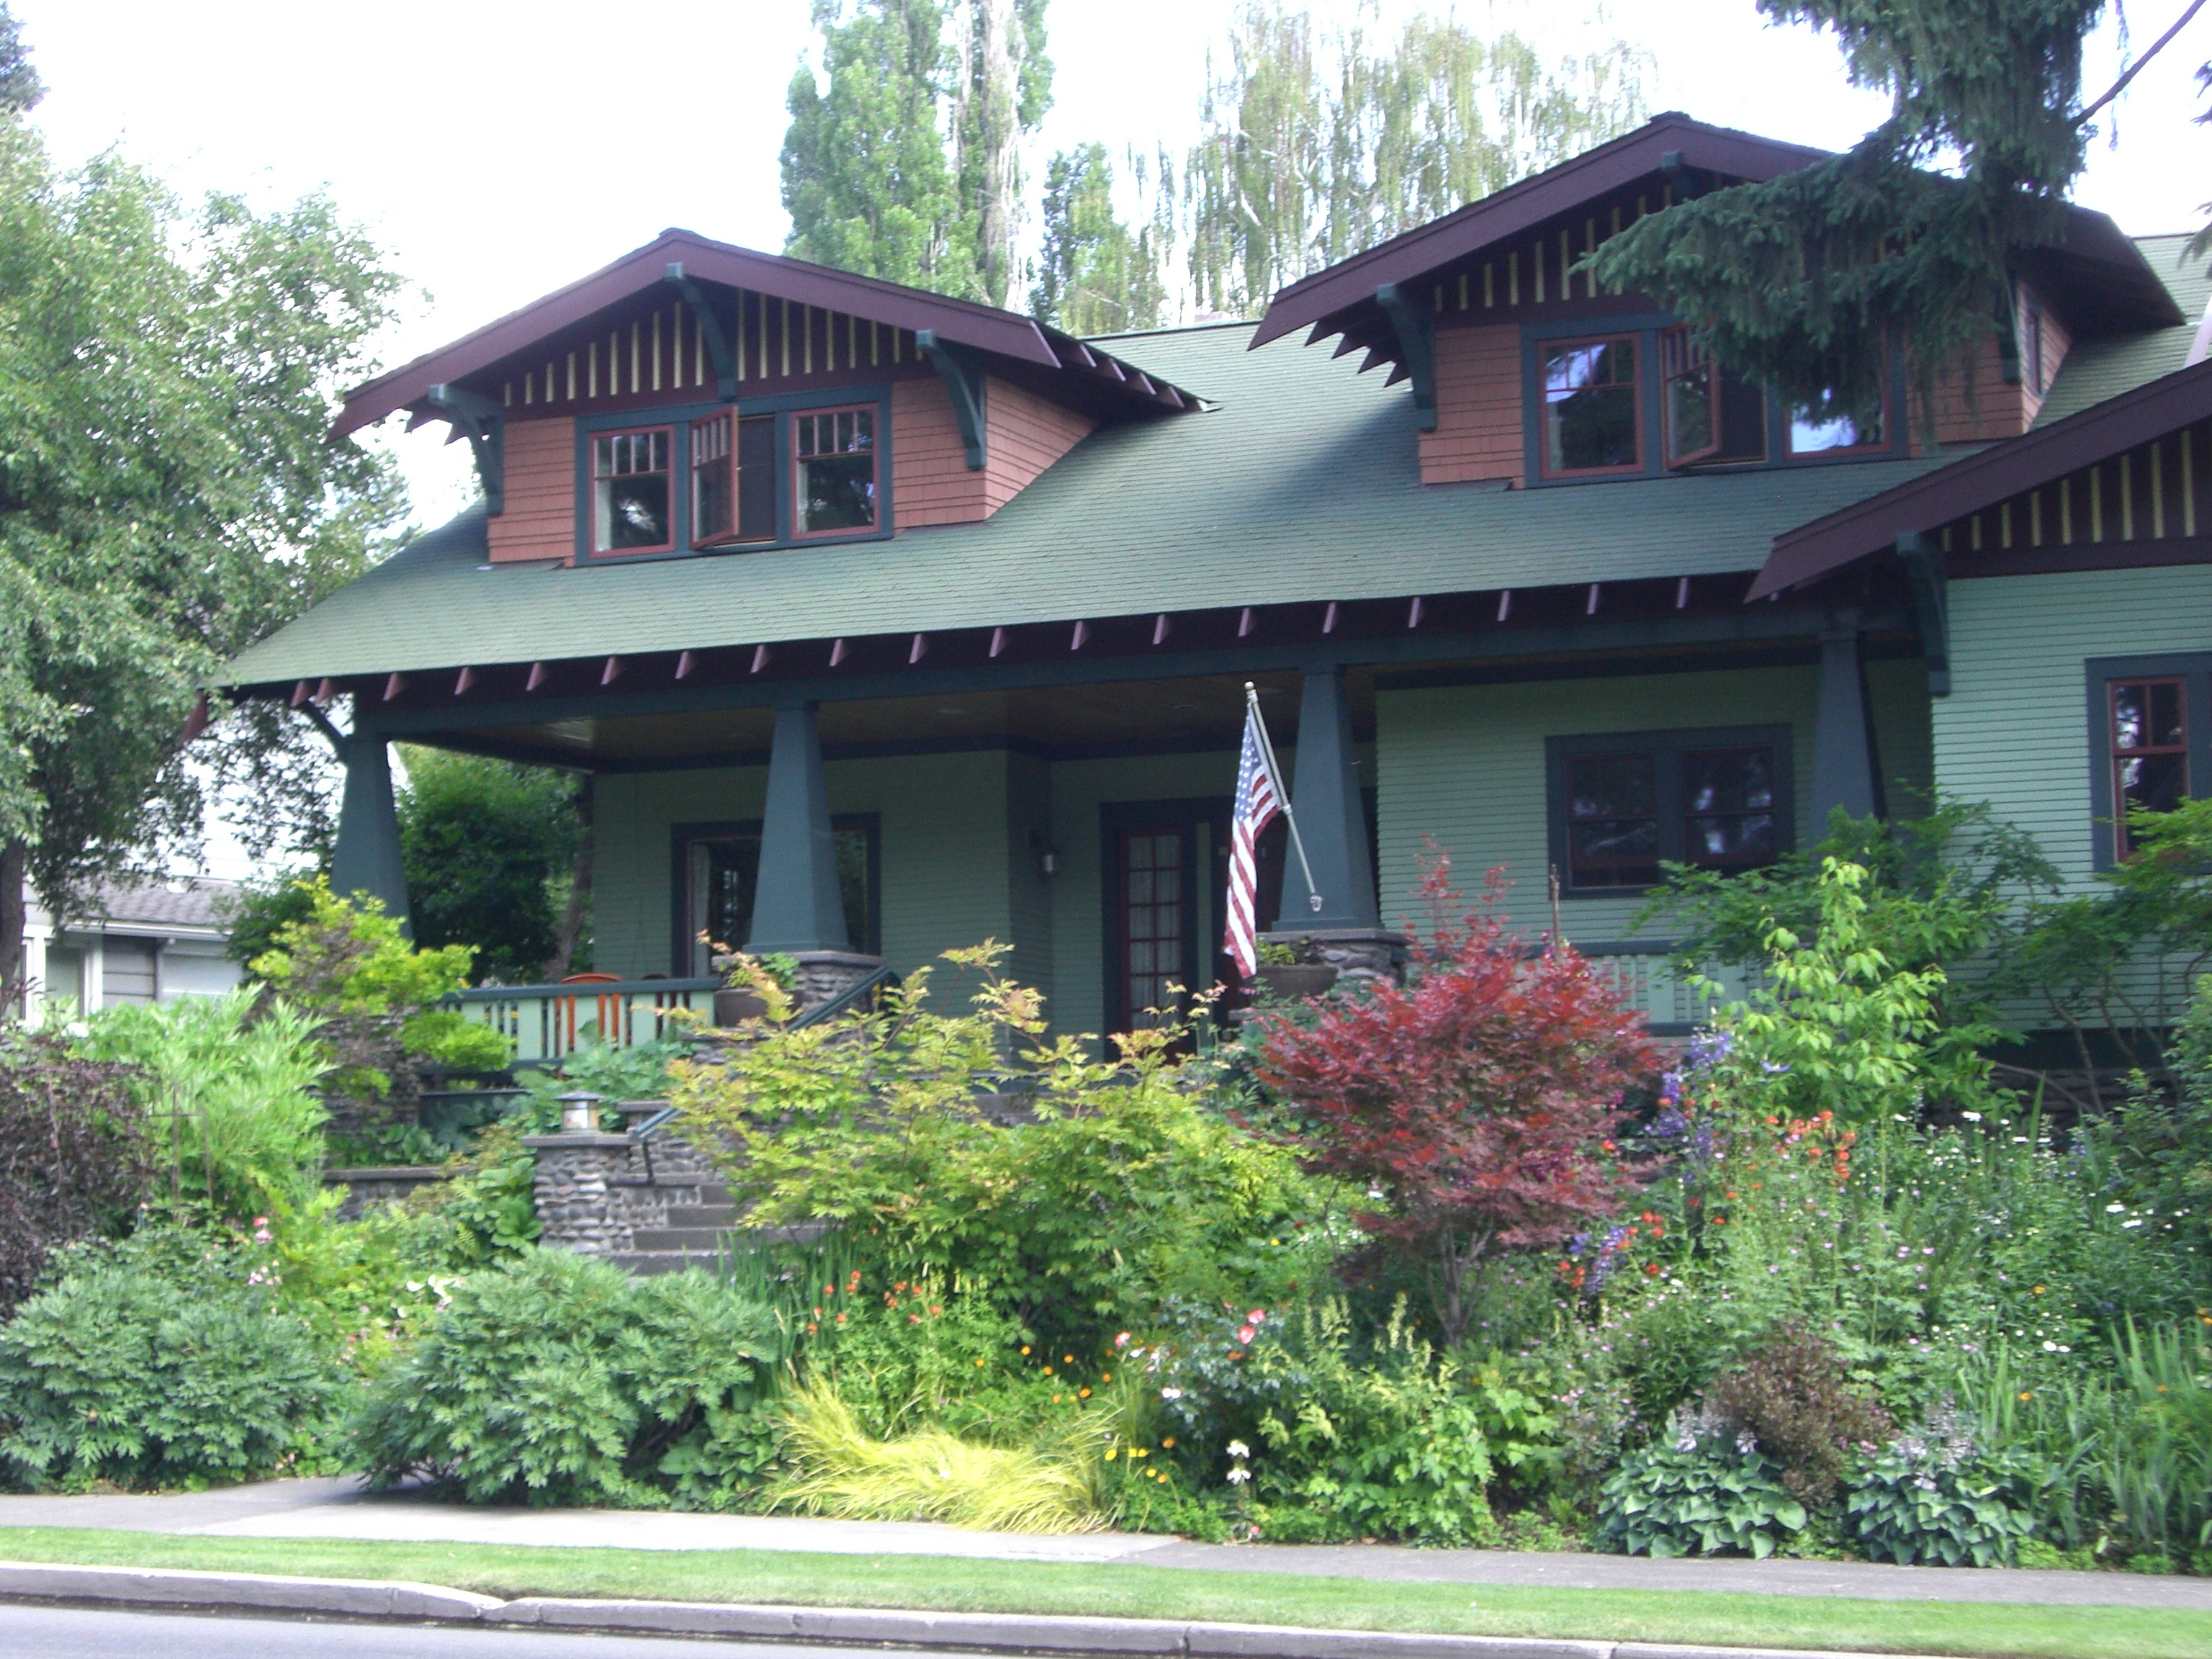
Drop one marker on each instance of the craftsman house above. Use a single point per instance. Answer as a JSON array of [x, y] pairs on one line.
[[888, 622]]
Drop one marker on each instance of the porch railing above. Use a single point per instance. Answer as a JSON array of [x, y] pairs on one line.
[[548, 1022], [1644, 972]]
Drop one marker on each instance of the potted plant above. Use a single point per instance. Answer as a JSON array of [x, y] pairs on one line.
[[1283, 976], [754, 987]]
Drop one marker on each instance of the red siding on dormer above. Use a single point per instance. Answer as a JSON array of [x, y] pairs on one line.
[[931, 482], [1028, 434], [1480, 430], [540, 520], [1975, 403]]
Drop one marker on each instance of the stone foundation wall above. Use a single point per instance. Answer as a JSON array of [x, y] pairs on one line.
[[369, 1187]]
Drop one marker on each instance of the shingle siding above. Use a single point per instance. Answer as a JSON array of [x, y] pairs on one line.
[[1479, 432], [540, 497]]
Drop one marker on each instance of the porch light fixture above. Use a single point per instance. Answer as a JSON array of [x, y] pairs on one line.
[[1047, 854], [579, 1111]]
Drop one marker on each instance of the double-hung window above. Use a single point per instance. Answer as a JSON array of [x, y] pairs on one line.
[[2150, 741], [632, 502], [1623, 804], [834, 462], [1593, 415]]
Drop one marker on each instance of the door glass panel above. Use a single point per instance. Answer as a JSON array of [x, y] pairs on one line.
[[1153, 924]]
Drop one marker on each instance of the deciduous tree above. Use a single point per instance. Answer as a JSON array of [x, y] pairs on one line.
[[1478, 1103], [1094, 275]]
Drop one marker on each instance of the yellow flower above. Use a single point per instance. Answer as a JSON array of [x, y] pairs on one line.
[[979, 1365], [1025, 1347], [1111, 1454], [1169, 1443], [1083, 1394]]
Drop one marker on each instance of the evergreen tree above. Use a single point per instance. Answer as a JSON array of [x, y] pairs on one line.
[[19, 85], [866, 180], [1094, 275], [1314, 150], [1814, 280], [489, 849]]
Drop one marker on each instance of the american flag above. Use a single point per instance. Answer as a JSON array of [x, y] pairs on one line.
[[1257, 804]]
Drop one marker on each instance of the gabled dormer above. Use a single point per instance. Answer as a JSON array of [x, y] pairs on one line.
[[695, 398], [1523, 373]]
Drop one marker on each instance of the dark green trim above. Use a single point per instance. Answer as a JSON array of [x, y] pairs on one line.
[[366, 859], [1924, 568], [484, 423], [1843, 770], [797, 905], [1325, 796], [1754, 623], [962, 371], [2195, 670], [1414, 325]]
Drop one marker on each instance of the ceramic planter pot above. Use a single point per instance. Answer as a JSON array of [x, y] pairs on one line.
[[1294, 980], [734, 1005]]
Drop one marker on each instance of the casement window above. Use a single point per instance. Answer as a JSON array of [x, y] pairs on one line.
[[1593, 416], [2150, 741], [1709, 415], [834, 466], [632, 502], [1625, 804], [1828, 426], [718, 875], [732, 479]]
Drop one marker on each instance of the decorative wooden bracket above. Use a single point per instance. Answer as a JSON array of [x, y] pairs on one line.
[[1924, 565], [710, 330], [963, 375], [1415, 326], [1687, 182], [482, 422]]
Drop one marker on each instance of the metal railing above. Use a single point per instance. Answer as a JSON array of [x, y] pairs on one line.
[[548, 1022]]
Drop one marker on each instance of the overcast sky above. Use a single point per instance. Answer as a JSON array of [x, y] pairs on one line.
[[499, 149]]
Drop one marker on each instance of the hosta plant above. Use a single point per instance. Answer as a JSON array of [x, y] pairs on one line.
[[1937, 1499], [1697, 1493]]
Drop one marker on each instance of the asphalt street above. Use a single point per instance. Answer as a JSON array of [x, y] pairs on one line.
[[36, 1632]]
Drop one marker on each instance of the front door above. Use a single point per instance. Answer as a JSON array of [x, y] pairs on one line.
[[1163, 921]]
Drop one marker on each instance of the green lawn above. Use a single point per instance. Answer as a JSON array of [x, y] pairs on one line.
[[1915, 1627]]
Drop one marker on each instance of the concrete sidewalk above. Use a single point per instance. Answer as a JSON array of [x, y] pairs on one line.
[[338, 1509]]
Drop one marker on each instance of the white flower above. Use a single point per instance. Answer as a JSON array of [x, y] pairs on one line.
[[1171, 1393], [2115, 1209], [1972, 1117], [1238, 1449], [1237, 1477]]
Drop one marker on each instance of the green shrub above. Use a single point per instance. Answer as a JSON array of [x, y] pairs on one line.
[[1697, 1493], [234, 1128], [1937, 1499], [558, 1379], [148, 1372], [2155, 1462]]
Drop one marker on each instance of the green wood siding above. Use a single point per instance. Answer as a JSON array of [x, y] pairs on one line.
[[1465, 764], [2014, 732]]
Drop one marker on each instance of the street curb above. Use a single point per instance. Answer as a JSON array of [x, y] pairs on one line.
[[963, 1632]]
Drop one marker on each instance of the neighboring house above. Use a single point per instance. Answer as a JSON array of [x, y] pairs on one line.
[[133, 943], [890, 623]]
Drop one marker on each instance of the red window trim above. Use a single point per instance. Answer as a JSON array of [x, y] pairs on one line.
[[1692, 360], [668, 546], [2121, 851], [1790, 452], [1634, 338], [875, 413]]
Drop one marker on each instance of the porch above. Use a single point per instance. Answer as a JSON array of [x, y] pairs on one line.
[[1065, 791]]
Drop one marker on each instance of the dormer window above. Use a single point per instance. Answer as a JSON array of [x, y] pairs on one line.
[[834, 455], [1592, 418], [732, 480], [1826, 426], [1709, 416], [630, 493]]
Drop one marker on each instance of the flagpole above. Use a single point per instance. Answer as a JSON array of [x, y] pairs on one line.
[[1282, 794]]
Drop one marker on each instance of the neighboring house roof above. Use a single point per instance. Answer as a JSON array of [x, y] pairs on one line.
[[194, 905], [2096, 275], [1017, 339], [1303, 485]]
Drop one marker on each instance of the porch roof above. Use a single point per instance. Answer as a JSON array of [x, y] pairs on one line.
[[1303, 486]]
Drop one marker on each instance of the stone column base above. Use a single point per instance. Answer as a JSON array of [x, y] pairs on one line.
[[824, 974], [578, 1208], [1361, 956]]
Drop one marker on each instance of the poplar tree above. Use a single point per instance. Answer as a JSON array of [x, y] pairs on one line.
[[1001, 89], [1094, 275], [1313, 149], [1908, 241], [866, 177], [19, 85]]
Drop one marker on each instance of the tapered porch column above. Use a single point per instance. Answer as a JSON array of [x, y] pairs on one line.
[[796, 904], [367, 857], [1325, 796], [1843, 755]]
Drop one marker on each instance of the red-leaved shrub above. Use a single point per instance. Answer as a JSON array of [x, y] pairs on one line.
[[1482, 1100]]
